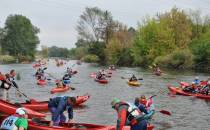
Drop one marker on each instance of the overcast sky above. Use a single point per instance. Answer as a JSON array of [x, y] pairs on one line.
[[57, 19]]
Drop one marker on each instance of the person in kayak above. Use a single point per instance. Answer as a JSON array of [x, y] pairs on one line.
[[145, 106], [205, 89], [69, 71], [57, 106], [66, 79], [196, 80], [100, 74], [133, 78], [7, 82], [128, 114], [39, 73], [18, 121]]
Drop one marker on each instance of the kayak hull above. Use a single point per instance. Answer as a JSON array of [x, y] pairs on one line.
[[179, 91], [58, 90], [9, 108], [102, 81], [43, 105], [134, 83], [42, 124], [41, 82]]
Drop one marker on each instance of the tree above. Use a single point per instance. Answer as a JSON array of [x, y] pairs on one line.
[[45, 51], [94, 25], [21, 36]]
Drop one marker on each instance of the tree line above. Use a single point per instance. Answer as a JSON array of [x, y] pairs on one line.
[[175, 39]]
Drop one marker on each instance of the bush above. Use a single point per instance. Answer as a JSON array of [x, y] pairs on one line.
[[6, 59], [90, 58], [179, 59], [26, 58]]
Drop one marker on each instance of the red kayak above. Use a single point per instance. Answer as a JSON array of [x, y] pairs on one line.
[[9, 108], [41, 124], [41, 82], [102, 81], [36, 65], [59, 89], [179, 91], [43, 105]]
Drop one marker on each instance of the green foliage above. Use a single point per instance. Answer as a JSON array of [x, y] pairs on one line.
[[80, 52], [6, 59], [57, 52], [90, 58], [179, 59], [21, 37], [200, 49], [97, 48]]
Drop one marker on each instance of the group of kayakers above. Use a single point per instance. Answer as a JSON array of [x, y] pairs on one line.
[[197, 86]]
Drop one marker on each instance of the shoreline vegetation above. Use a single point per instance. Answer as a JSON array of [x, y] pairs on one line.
[[176, 39]]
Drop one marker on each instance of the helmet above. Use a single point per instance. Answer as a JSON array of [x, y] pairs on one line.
[[115, 101], [20, 111]]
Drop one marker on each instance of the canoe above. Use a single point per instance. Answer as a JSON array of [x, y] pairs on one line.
[[9, 108], [179, 91], [41, 82], [43, 105], [60, 89], [134, 83], [102, 81]]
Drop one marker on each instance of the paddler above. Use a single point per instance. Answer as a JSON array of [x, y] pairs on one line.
[[133, 78], [57, 106], [145, 106], [129, 114], [18, 121], [7, 82]]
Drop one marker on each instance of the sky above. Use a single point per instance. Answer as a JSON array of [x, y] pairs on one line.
[[57, 19]]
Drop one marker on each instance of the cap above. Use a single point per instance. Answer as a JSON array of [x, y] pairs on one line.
[[115, 101], [20, 111]]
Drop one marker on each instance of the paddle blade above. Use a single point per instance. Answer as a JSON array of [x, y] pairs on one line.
[[72, 88], [165, 112], [140, 79]]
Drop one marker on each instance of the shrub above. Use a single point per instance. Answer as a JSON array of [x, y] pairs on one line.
[[6, 59], [91, 58], [179, 59]]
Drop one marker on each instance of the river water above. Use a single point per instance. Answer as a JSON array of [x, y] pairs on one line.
[[187, 112]]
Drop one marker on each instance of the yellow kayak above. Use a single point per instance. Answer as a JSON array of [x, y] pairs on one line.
[[133, 83]]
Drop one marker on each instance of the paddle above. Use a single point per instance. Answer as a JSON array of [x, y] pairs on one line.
[[30, 100], [129, 78]]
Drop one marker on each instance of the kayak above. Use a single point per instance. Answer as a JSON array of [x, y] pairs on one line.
[[59, 89], [157, 73], [41, 82], [102, 81], [179, 91], [9, 108], [93, 75], [134, 83], [42, 124], [36, 65], [43, 105]]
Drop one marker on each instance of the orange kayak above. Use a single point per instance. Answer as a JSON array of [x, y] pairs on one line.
[[59, 89], [43, 105]]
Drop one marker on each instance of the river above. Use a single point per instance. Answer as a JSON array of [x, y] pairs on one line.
[[187, 112]]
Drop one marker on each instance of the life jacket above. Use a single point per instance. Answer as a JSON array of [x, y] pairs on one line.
[[134, 115], [9, 123], [6, 85]]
